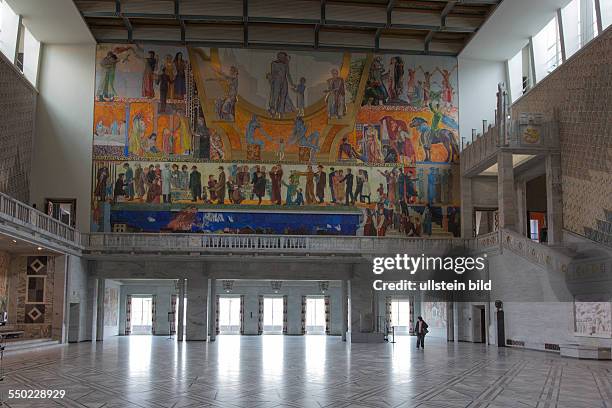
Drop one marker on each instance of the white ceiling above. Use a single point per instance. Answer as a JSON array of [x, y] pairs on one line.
[[53, 21], [509, 28]]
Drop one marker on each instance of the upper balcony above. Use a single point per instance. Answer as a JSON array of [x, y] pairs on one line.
[[25, 223], [529, 135], [189, 245]]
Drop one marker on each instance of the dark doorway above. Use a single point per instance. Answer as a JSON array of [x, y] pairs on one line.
[[73, 323], [483, 326]]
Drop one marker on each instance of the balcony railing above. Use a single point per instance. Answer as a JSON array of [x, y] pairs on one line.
[[27, 218], [271, 244], [522, 138]]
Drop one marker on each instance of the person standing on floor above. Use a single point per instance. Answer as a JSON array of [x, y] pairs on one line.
[[421, 330]]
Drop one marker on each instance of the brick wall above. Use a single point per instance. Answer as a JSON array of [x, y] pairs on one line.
[[580, 93], [17, 115]]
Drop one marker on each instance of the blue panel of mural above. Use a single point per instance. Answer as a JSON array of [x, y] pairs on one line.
[[192, 220]]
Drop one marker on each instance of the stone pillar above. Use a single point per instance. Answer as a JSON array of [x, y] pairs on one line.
[[505, 191], [521, 192], [554, 198], [344, 300], [92, 307], [456, 322], [361, 312], [58, 326], [467, 209], [181, 310], [100, 307], [197, 294], [212, 309]]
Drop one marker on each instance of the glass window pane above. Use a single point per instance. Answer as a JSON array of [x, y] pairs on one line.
[[8, 33], [515, 72], [31, 51], [606, 12], [571, 27], [547, 50]]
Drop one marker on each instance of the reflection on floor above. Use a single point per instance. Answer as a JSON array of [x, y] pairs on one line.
[[310, 371]]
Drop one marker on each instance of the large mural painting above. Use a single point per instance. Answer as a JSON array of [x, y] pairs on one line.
[[274, 142]]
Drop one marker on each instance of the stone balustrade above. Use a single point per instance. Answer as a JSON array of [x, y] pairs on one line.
[[190, 244], [522, 137], [24, 222]]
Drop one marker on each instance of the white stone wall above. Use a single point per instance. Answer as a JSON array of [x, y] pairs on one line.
[[162, 305], [77, 292]]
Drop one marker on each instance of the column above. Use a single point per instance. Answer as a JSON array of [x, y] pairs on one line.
[[92, 307], [344, 300], [100, 307], [521, 192], [505, 191], [180, 310], [467, 209], [197, 297], [456, 322], [58, 326], [554, 198], [212, 329]]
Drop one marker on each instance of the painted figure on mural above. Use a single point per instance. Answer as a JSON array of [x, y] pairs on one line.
[[447, 88], [310, 190], [137, 134], [300, 100], [166, 177], [335, 96], [216, 146], [376, 82], [411, 86], [348, 179], [119, 190], [164, 82], [106, 90], [129, 181], [331, 177], [170, 71], [175, 177], [220, 186], [427, 220], [183, 134], [276, 178], [148, 76], [179, 78], [203, 137], [431, 185], [167, 141], [299, 136], [430, 136], [251, 128], [345, 150], [373, 147], [321, 179], [102, 176], [426, 86], [396, 78], [280, 79], [406, 149], [258, 181], [139, 181], [226, 106], [292, 186]]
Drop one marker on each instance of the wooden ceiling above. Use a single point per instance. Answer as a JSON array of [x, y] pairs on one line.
[[436, 27]]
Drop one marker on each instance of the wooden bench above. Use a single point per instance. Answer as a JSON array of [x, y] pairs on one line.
[[585, 352]]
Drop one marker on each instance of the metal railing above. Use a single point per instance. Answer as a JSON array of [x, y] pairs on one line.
[[16, 212]]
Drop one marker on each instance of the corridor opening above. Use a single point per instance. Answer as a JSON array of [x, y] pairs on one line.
[[315, 315], [400, 316], [230, 315], [273, 315], [141, 316]]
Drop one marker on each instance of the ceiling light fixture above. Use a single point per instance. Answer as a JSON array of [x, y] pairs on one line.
[[39, 248]]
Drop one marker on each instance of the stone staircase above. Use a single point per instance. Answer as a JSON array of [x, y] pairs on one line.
[[603, 232]]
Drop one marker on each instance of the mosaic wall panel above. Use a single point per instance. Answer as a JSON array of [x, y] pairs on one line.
[[34, 313], [17, 116], [578, 92], [188, 132]]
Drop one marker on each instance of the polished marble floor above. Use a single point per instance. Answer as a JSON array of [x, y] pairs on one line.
[[310, 371]]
